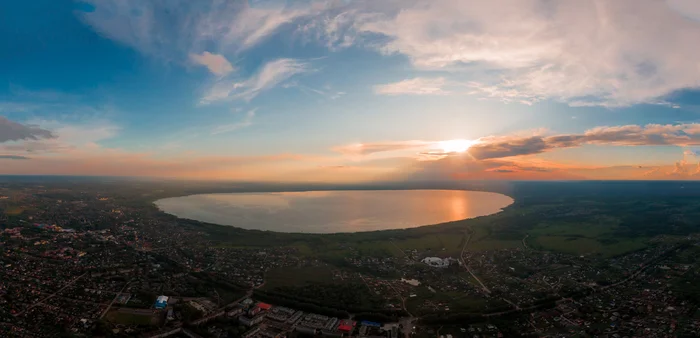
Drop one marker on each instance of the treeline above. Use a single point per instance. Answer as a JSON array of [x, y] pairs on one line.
[[215, 281], [350, 296]]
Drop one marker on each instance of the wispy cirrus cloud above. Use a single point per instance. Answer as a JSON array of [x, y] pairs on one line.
[[172, 30], [415, 86], [359, 149], [270, 75], [245, 122]]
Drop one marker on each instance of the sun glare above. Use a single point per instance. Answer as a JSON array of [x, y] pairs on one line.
[[455, 146]]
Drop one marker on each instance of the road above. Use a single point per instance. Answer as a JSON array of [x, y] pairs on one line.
[[222, 309], [114, 299], [398, 248], [524, 242], [51, 295], [464, 263]]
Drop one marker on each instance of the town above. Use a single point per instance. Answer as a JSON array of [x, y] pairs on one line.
[[90, 262]]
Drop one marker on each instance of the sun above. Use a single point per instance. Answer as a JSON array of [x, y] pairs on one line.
[[455, 146]]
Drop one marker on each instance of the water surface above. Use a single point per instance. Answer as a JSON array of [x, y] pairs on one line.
[[335, 211]]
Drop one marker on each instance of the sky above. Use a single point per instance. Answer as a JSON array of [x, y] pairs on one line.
[[351, 90]]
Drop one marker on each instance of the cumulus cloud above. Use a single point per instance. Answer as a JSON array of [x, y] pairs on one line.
[[269, 76], [579, 52], [13, 131], [216, 63], [415, 86]]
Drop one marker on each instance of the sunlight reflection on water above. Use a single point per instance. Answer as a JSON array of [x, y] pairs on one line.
[[335, 211]]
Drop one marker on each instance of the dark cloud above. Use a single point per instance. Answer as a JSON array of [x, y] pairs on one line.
[[518, 169], [506, 147], [630, 135], [13, 157], [13, 131]]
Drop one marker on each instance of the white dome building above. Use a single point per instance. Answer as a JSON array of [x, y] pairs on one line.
[[437, 262]]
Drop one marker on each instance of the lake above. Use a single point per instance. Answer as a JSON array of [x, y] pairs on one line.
[[335, 211]]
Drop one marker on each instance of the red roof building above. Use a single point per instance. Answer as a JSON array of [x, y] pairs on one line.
[[264, 306]]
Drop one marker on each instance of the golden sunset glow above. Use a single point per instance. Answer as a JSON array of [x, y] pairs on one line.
[[455, 146]]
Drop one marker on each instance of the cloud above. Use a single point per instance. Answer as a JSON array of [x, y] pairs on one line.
[[359, 149], [584, 53], [495, 147], [216, 63], [13, 131], [172, 29], [13, 157], [513, 168], [247, 121], [415, 86], [269, 76], [688, 8], [65, 138], [629, 135], [464, 167]]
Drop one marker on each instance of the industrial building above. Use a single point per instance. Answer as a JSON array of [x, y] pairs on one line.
[[161, 302]]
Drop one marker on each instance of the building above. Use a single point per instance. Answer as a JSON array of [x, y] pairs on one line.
[[295, 317], [235, 312], [330, 333], [197, 306], [264, 306], [251, 332], [247, 321], [346, 326], [436, 262], [305, 329], [161, 302]]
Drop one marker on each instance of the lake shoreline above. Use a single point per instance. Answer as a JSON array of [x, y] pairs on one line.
[[335, 211]]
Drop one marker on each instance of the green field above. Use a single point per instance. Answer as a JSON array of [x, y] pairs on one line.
[[583, 245], [489, 244]]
